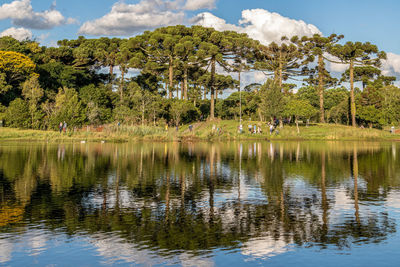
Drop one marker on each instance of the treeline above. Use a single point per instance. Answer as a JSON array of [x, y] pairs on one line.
[[176, 75]]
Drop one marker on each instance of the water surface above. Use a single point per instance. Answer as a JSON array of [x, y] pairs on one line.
[[203, 204]]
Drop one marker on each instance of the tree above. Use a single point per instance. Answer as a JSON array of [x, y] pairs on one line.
[[98, 103], [14, 69], [123, 59], [299, 109], [218, 48], [271, 100], [356, 54], [178, 108], [221, 82], [370, 106], [32, 92], [17, 114], [282, 61], [362, 74], [106, 53], [140, 99], [68, 108], [317, 46], [4, 87]]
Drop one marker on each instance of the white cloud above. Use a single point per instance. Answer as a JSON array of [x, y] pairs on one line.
[[199, 4], [260, 24], [18, 33], [206, 19], [335, 67], [22, 14], [128, 19], [391, 66]]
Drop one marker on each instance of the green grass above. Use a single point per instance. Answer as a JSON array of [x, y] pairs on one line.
[[217, 130]]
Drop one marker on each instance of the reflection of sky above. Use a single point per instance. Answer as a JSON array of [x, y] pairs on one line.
[[36, 247]]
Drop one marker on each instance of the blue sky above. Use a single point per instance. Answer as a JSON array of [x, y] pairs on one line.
[[49, 21], [368, 20]]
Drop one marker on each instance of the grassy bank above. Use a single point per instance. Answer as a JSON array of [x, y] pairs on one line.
[[203, 131]]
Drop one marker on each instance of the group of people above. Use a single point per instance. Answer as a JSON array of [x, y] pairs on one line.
[[62, 127], [254, 129], [257, 129]]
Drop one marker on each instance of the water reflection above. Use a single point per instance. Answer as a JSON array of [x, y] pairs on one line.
[[168, 203]]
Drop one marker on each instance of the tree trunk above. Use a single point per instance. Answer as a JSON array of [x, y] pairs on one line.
[[212, 88], [352, 103], [111, 73], [121, 86], [280, 69], [185, 82], [171, 76], [297, 126], [182, 89], [321, 88], [276, 76], [142, 113]]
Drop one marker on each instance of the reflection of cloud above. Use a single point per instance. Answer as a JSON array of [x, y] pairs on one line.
[[6, 249], [190, 260], [116, 249], [38, 243], [392, 200], [264, 247]]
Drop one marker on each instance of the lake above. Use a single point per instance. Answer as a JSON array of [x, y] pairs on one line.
[[200, 204]]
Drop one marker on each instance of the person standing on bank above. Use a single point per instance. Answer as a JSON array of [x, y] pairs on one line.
[[65, 127], [60, 126]]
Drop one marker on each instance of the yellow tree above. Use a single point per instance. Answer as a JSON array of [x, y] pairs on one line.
[[15, 66]]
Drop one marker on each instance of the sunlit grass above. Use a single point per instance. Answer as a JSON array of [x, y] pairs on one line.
[[209, 130]]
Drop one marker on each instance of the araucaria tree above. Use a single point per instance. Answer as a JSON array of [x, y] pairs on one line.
[[317, 46], [282, 61], [356, 54]]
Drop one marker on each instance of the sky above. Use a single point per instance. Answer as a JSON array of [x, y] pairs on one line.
[[266, 20]]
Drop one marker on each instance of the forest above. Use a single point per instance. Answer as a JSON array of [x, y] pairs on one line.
[[177, 74]]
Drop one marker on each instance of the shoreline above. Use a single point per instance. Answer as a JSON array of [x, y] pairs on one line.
[[202, 132]]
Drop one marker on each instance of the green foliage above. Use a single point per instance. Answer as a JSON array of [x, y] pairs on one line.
[[272, 101], [175, 79], [310, 94], [67, 108], [229, 108], [300, 109], [17, 114], [98, 103], [32, 92], [182, 111], [4, 87]]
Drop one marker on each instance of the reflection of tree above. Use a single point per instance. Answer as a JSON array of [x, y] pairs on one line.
[[168, 196]]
